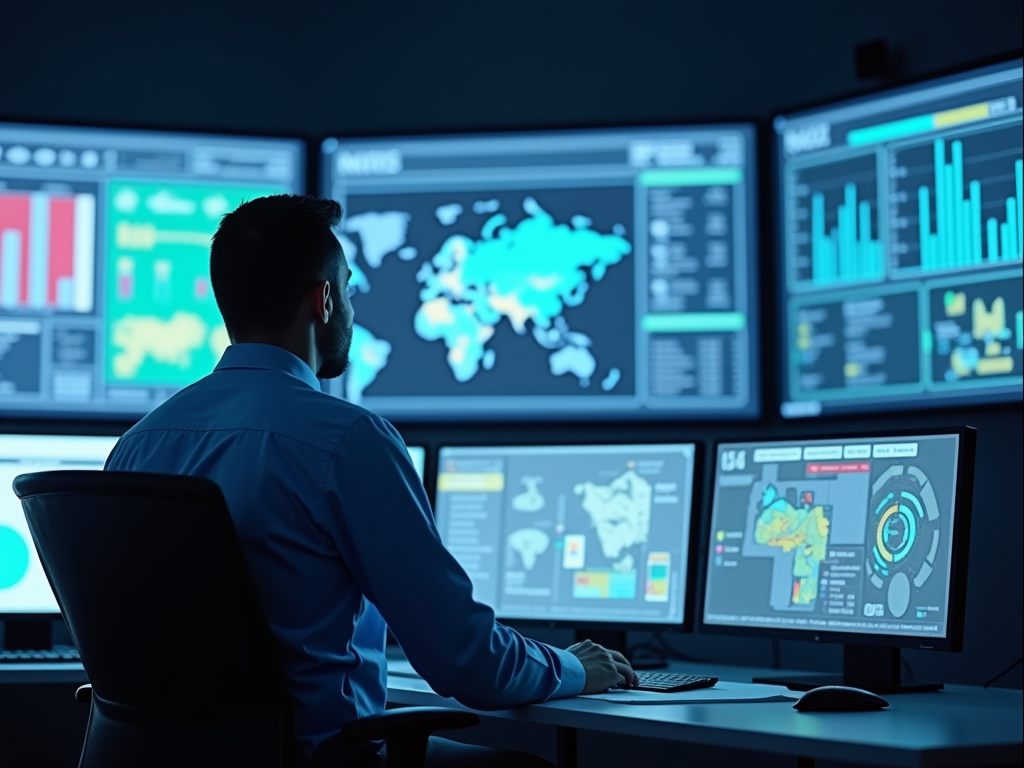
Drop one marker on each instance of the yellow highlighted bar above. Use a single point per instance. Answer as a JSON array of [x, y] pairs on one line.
[[993, 366], [471, 482], [961, 115]]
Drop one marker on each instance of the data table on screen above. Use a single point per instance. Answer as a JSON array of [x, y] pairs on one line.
[[568, 274], [106, 306], [901, 246]]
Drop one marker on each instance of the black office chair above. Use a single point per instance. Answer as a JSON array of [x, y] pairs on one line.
[[153, 584]]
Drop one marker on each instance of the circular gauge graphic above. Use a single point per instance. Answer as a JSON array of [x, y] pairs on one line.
[[14, 555], [903, 535]]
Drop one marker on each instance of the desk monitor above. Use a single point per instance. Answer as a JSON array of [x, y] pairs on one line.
[[106, 307], [26, 601], [418, 454], [578, 535], [860, 540], [900, 224], [580, 274]]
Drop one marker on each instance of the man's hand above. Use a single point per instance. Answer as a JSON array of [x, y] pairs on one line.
[[604, 668]]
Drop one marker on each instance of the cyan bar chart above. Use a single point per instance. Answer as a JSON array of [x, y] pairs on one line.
[[959, 202], [835, 240], [846, 253]]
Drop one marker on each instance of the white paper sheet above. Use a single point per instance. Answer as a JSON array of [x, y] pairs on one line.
[[722, 693]]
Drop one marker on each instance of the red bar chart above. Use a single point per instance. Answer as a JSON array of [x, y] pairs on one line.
[[47, 251]]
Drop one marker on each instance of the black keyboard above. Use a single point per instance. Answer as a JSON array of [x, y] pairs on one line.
[[9, 656], [668, 682]]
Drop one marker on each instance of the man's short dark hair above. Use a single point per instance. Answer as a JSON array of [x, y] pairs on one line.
[[267, 254]]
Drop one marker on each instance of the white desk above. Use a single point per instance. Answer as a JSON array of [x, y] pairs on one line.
[[956, 727]]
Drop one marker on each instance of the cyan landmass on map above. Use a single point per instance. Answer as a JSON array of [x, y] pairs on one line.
[[527, 274]]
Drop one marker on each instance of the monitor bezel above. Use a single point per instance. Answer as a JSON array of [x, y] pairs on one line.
[[34, 419], [774, 208], [690, 590], [61, 430], [961, 536], [759, 242]]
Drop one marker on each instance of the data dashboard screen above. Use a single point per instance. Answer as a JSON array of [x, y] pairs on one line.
[[901, 246], [571, 533], [23, 584], [106, 307], [840, 535], [568, 274]]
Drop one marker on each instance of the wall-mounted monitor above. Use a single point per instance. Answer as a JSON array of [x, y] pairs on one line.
[[106, 307], [900, 250], [571, 534], [569, 274]]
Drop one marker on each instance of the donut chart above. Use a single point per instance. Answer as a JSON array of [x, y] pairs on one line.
[[14, 557], [903, 535]]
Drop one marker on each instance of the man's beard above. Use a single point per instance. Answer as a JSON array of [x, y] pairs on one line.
[[335, 344]]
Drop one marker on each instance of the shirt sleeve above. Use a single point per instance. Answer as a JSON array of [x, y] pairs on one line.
[[378, 515]]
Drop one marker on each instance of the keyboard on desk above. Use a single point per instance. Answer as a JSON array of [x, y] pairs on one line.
[[669, 682], [50, 656]]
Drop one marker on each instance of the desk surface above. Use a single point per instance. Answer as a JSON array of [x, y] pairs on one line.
[[957, 726]]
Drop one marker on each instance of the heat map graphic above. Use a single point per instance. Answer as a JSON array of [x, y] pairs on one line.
[[802, 529]]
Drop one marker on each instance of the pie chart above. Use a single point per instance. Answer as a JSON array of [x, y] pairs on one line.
[[13, 557]]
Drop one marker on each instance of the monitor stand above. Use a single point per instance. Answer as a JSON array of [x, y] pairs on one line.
[[873, 668], [616, 641], [28, 634]]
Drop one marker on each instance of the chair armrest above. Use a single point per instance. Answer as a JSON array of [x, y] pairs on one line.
[[84, 694], [406, 721]]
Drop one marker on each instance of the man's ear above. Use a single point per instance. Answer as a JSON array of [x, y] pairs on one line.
[[323, 302]]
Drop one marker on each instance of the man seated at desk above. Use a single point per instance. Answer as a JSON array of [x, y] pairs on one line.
[[333, 518]]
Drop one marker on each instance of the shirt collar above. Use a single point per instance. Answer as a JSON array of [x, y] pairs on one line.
[[269, 357]]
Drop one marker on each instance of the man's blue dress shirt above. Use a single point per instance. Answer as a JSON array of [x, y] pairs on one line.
[[341, 540]]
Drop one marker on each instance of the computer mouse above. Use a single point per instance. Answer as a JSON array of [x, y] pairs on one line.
[[839, 698]]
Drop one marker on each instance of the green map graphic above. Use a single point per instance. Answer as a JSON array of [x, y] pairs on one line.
[[163, 325], [802, 530]]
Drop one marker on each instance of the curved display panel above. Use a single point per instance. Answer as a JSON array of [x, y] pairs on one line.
[[570, 274], [106, 307], [901, 247]]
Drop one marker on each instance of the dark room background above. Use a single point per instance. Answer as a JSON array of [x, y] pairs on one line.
[[316, 68]]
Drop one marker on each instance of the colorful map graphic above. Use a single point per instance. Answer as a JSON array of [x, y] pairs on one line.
[[801, 529], [978, 330], [527, 274], [163, 325]]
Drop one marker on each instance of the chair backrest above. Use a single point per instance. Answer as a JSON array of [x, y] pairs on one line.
[[154, 586]]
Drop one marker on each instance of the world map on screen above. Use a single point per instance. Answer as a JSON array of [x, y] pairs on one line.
[[489, 266]]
